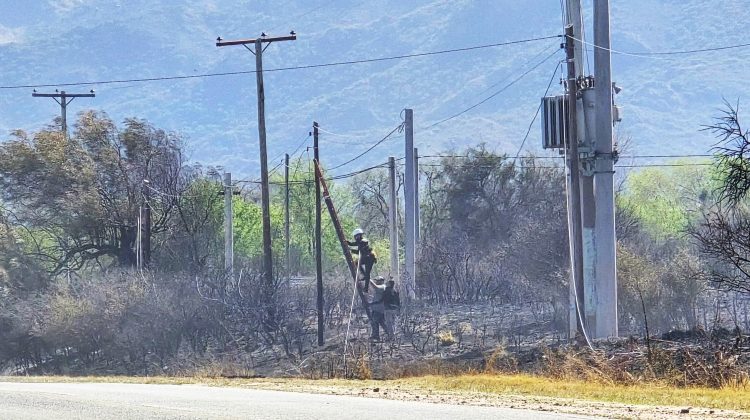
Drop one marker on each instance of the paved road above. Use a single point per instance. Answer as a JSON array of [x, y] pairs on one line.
[[67, 401]]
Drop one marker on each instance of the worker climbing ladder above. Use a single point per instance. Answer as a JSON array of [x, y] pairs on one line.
[[342, 237]]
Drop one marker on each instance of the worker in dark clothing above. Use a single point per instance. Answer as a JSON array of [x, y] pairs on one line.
[[377, 310], [392, 306], [367, 257]]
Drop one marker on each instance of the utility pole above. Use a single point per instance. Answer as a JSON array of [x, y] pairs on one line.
[[138, 247], [63, 98], [585, 132], [409, 205], [265, 195], [393, 217], [574, 205], [416, 201], [286, 220], [228, 225], [318, 238], [146, 223], [606, 268]]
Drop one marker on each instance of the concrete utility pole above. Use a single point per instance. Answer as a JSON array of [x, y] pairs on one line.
[[606, 271], [584, 119], [146, 239], [393, 217], [409, 277], [265, 195], [228, 225], [574, 205], [416, 201], [318, 239], [138, 247], [63, 98], [286, 220]]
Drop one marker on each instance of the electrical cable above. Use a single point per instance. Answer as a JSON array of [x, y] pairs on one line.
[[561, 157], [299, 67], [167, 195], [524, 74], [526, 63], [661, 54], [536, 114], [304, 140], [323, 130], [580, 319], [398, 128]]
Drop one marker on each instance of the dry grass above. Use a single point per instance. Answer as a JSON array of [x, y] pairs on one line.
[[730, 398], [726, 398]]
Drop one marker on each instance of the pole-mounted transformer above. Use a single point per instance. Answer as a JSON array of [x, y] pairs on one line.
[[555, 113]]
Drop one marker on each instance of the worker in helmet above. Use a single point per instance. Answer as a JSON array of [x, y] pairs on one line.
[[367, 257]]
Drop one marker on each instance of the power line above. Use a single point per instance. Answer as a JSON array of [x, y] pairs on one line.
[[387, 136], [536, 114], [309, 182], [655, 54], [300, 67], [645, 165], [524, 74], [562, 157], [527, 62], [473, 165], [321, 129], [304, 140]]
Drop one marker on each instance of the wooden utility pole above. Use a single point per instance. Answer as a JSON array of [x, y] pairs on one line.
[[393, 217], [286, 220], [574, 205], [342, 238], [264, 192], [606, 240], [63, 98], [409, 277], [228, 226], [318, 238]]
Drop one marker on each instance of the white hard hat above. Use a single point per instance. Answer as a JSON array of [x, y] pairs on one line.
[[358, 231]]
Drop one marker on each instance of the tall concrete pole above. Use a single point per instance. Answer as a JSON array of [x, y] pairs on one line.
[[409, 271], [228, 226], [146, 238], [318, 240], [393, 217], [574, 205], [606, 271], [585, 114], [286, 220], [416, 201]]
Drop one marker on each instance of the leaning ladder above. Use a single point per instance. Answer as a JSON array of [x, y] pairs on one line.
[[341, 236]]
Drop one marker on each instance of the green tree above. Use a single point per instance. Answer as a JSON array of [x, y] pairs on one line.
[[78, 198]]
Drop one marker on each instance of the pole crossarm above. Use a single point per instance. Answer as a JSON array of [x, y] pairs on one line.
[[263, 39], [63, 94], [63, 98]]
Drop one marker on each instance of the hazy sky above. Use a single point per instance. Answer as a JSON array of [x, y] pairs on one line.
[[665, 99]]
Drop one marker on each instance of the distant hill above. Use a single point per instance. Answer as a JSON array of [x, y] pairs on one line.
[[665, 99]]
